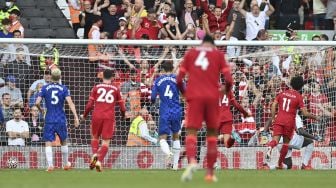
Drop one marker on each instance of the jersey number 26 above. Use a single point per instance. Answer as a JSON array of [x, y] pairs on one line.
[[105, 96]]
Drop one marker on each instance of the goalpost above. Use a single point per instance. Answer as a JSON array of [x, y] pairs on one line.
[[260, 70]]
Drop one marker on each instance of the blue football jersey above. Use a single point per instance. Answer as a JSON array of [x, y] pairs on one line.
[[54, 96], [165, 86]]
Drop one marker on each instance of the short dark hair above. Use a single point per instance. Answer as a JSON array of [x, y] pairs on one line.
[[6, 21], [208, 39], [17, 31], [96, 19], [172, 14], [167, 66], [108, 74], [324, 36], [16, 12], [297, 83], [4, 94]]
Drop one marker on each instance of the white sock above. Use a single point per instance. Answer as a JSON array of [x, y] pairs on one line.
[[65, 154], [176, 153], [165, 147], [49, 156], [308, 153]]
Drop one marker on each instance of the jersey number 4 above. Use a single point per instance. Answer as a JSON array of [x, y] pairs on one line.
[[168, 92], [202, 61], [105, 96], [285, 104]]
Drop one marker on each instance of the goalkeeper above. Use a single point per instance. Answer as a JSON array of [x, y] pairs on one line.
[[300, 140]]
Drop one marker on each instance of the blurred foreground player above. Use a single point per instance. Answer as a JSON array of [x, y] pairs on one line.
[[203, 66], [54, 95], [102, 100]]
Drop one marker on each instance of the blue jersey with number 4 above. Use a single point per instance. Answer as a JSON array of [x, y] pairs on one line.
[[165, 86], [54, 95]]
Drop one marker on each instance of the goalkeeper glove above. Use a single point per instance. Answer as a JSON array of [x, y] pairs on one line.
[[318, 138], [264, 137]]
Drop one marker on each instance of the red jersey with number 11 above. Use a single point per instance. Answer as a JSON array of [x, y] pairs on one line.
[[103, 98], [289, 102], [203, 66]]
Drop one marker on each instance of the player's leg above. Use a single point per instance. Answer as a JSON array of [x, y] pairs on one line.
[[309, 144], [164, 131], [195, 117], [96, 129], [107, 134], [212, 122], [283, 151], [49, 137], [277, 132], [176, 149], [225, 134], [63, 135]]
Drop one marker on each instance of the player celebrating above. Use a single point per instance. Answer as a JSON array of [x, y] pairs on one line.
[[228, 135], [102, 98], [287, 103], [54, 95], [170, 112], [203, 65]]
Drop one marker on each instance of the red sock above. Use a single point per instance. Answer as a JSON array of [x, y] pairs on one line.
[[283, 153], [230, 142], [94, 145], [211, 153], [191, 147], [102, 152], [272, 143]]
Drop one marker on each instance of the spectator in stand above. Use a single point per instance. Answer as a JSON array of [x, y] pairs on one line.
[[164, 8], [19, 69], [6, 107], [75, 8], [49, 58], [12, 48], [137, 30], [110, 16], [319, 13], [217, 20], [330, 15], [15, 93], [188, 17], [16, 24], [44, 81], [152, 24], [255, 20], [239, 29], [94, 34], [287, 11], [172, 27], [121, 33], [9, 6], [5, 33], [86, 18], [137, 10], [35, 123], [17, 129]]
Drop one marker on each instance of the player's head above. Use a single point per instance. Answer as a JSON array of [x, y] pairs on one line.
[[56, 75], [208, 39], [167, 66], [108, 74], [297, 83]]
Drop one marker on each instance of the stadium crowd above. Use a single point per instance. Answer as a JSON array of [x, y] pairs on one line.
[[259, 72]]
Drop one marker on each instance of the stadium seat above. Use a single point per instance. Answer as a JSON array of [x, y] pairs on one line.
[[25, 22], [65, 33], [46, 3], [59, 23], [26, 3], [44, 33], [53, 13], [29, 33], [31, 12], [39, 23]]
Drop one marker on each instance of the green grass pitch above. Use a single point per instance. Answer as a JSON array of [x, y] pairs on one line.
[[164, 178]]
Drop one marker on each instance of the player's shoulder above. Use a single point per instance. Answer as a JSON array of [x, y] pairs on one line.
[[106, 86]]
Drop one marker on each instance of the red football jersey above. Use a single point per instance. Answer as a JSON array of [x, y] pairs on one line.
[[226, 101], [103, 98], [203, 66], [289, 102]]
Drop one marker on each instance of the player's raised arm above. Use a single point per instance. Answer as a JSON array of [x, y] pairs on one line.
[[181, 74], [154, 92], [73, 110], [238, 106]]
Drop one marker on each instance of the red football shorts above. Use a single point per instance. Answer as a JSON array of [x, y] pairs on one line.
[[225, 127], [102, 127], [200, 110], [283, 130]]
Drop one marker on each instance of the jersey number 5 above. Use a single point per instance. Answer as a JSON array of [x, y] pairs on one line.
[[168, 92], [202, 61], [54, 97], [105, 96]]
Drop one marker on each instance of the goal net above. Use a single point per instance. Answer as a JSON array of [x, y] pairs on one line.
[[260, 71]]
